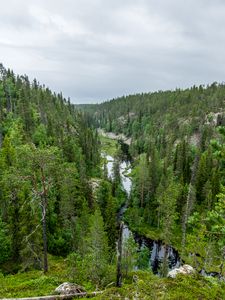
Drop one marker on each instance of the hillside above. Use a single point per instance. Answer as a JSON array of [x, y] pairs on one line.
[[177, 146], [47, 155], [155, 116]]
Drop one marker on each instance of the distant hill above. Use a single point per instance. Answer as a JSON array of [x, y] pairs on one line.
[[173, 114]]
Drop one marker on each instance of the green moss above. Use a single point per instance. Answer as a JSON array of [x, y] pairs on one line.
[[34, 283], [149, 286], [145, 286]]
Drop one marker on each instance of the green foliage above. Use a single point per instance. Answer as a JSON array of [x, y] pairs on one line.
[[78, 267], [206, 241], [40, 136], [143, 258], [5, 248], [177, 171], [197, 243], [47, 153]]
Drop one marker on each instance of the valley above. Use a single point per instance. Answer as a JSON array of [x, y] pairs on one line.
[[72, 177]]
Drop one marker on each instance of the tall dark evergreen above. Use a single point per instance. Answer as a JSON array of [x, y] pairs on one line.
[[48, 152]]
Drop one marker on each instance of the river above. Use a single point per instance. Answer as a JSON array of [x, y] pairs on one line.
[[156, 248]]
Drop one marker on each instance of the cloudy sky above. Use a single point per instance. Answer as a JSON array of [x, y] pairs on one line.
[[94, 50]]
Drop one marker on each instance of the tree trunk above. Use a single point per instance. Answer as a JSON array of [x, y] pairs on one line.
[[45, 267], [119, 259]]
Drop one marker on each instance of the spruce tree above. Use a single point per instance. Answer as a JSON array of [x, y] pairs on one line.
[[98, 250]]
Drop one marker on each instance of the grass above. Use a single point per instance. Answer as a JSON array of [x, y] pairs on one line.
[[34, 283], [108, 146]]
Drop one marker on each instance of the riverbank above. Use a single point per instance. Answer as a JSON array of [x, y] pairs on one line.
[[108, 146], [152, 232]]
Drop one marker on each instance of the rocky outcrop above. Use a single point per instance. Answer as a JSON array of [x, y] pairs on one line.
[[215, 118], [185, 269], [68, 288]]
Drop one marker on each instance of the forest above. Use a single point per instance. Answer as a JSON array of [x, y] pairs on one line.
[[177, 147], [61, 211]]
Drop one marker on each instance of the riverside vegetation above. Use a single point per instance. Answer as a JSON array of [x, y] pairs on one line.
[[59, 209]]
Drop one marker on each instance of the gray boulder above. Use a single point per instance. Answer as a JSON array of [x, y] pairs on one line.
[[68, 288], [185, 269]]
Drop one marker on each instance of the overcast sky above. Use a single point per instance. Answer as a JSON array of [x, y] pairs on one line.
[[94, 50]]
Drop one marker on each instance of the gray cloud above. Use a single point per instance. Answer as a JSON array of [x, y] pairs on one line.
[[93, 50]]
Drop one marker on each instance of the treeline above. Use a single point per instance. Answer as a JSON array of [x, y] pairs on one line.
[[177, 143]]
